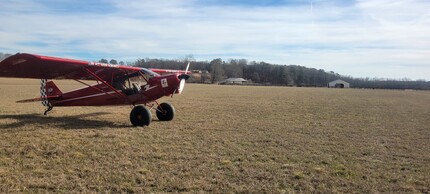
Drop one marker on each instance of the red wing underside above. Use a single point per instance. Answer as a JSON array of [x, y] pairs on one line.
[[43, 67]]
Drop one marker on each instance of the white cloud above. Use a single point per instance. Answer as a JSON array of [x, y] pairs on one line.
[[357, 39]]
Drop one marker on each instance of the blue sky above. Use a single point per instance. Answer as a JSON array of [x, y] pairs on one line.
[[361, 38]]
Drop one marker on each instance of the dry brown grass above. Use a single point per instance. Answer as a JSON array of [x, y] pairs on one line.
[[224, 139]]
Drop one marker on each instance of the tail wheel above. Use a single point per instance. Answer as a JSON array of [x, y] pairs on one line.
[[165, 112], [140, 116]]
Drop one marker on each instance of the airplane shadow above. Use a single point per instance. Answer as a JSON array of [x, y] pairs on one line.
[[38, 121]]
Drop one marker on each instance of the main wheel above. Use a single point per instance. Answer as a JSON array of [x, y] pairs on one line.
[[165, 112], [140, 116]]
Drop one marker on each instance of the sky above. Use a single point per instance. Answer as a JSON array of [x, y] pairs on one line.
[[359, 38]]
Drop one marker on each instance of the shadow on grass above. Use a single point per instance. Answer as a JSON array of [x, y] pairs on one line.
[[37, 121]]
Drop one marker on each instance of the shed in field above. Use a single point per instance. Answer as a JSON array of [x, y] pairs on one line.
[[338, 84], [234, 81]]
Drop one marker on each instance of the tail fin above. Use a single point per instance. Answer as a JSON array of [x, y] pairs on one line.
[[52, 90], [48, 90]]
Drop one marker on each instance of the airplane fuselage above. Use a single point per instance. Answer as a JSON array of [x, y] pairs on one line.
[[101, 95]]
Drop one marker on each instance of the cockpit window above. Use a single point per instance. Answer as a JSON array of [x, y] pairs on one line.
[[132, 83], [149, 72]]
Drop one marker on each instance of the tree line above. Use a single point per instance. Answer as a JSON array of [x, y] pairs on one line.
[[262, 73], [4, 56]]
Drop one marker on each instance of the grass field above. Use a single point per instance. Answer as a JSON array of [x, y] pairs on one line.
[[224, 139]]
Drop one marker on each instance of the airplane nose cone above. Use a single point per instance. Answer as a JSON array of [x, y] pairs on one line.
[[182, 77]]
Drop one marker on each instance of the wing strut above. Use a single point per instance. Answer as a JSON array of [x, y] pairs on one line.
[[105, 83]]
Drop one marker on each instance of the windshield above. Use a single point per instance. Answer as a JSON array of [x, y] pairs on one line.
[[133, 83], [149, 72]]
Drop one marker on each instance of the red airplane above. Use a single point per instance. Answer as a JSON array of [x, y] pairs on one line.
[[115, 84]]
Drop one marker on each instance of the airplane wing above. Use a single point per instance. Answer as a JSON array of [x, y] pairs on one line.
[[167, 71], [24, 65]]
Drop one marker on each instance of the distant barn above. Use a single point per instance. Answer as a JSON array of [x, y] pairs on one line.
[[338, 84], [234, 81]]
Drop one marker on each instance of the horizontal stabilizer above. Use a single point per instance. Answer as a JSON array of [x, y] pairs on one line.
[[38, 99]]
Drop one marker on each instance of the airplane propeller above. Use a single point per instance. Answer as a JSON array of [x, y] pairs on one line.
[[183, 77]]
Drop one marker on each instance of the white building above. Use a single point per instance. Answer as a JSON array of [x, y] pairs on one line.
[[234, 81], [338, 84]]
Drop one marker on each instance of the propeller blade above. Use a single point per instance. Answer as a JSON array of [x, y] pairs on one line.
[[181, 86], [186, 70], [183, 77]]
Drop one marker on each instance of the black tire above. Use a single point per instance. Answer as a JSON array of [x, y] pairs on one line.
[[168, 112], [140, 116]]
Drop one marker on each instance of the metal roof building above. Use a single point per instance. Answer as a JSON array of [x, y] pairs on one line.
[[234, 81], [338, 84]]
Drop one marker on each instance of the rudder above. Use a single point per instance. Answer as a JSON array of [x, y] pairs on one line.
[[52, 90]]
